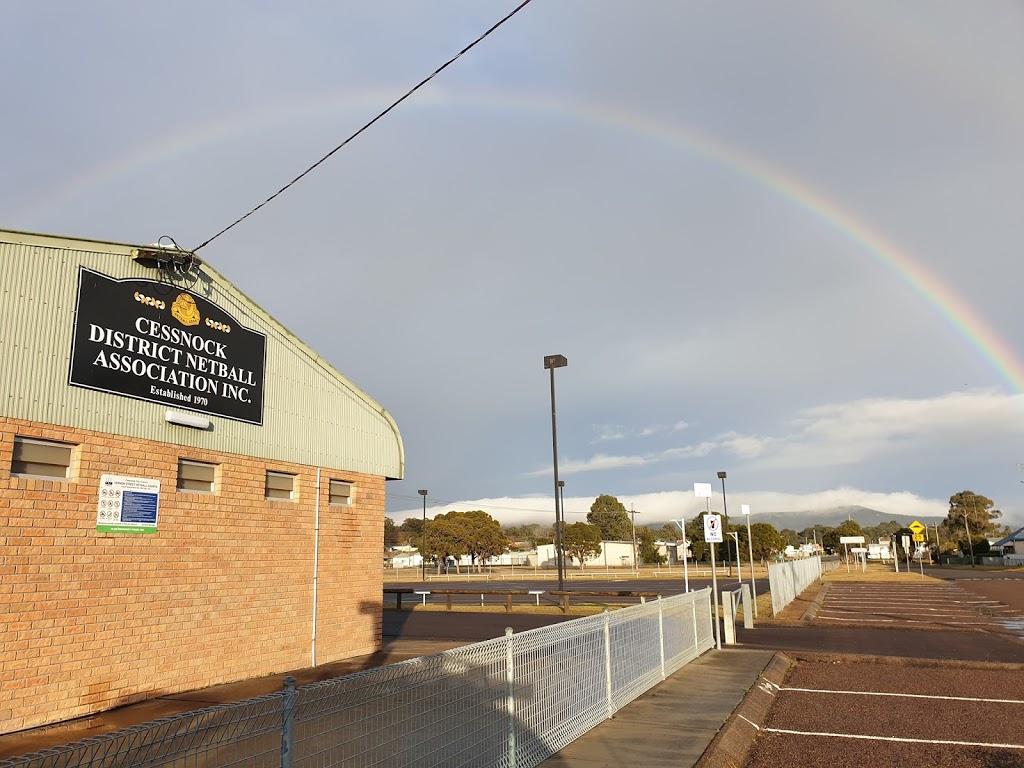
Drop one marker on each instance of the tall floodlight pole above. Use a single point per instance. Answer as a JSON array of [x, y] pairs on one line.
[[550, 363], [725, 507], [423, 547], [561, 522], [745, 509]]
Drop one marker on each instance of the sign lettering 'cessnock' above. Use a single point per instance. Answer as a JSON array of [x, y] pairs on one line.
[[152, 341]]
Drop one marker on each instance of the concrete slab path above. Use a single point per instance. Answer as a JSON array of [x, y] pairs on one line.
[[674, 722]]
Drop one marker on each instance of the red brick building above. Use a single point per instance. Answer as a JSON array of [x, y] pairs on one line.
[[189, 495]]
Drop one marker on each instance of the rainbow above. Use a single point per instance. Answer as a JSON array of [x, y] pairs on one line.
[[950, 305]]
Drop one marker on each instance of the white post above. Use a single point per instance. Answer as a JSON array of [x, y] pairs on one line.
[[714, 602], [745, 509]]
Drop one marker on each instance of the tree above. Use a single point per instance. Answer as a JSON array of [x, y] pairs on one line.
[[610, 516], [648, 547], [791, 537], [390, 532], [978, 511], [445, 539], [475, 533], [766, 540], [831, 537], [668, 532], [581, 541], [484, 537]]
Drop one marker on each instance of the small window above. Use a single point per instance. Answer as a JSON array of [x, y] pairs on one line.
[[196, 476], [41, 458], [280, 486], [340, 493]]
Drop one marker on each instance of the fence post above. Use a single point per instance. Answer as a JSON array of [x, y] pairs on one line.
[[608, 660], [510, 698], [696, 637], [288, 723], [661, 635]]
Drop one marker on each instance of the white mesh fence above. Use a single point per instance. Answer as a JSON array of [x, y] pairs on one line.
[[511, 702], [787, 580]]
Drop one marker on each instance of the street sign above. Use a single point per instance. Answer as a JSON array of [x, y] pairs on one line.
[[918, 537], [713, 529], [916, 527], [702, 490], [851, 539], [906, 541]]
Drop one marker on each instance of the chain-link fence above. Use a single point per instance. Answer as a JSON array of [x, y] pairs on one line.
[[512, 701], [787, 580]]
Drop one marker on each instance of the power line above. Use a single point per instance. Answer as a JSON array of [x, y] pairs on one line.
[[380, 114]]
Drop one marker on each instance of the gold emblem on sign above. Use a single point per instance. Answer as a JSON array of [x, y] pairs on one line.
[[185, 311]]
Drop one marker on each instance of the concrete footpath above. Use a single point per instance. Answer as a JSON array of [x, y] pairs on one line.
[[670, 725], [674, 722]]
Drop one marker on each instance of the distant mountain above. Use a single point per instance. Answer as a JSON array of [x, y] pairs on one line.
[[799, 520], [832, 517]]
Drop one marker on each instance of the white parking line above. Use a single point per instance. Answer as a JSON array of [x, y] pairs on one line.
[[876, 620], [865, 737], [908, 695]]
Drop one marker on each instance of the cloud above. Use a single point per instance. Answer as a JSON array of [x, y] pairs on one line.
[[840, 434], [656, 508]]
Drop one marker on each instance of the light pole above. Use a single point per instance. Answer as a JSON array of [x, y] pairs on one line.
[[423, 546], [561, 521], [745, 509], [550, 363], [725, 506]]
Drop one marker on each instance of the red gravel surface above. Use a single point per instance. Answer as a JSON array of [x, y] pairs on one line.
[[829, 721]]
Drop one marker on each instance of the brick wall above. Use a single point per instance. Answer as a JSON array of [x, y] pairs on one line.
[[223, 591]]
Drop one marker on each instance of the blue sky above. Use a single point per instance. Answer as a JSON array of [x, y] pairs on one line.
[[778, 240]]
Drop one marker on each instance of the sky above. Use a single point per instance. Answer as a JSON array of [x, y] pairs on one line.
[[781, 240]]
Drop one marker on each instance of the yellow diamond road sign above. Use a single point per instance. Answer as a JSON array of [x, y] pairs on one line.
[[916, 527]]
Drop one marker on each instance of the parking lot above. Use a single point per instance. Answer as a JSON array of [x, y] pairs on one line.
[[929, 605], [843, 711]]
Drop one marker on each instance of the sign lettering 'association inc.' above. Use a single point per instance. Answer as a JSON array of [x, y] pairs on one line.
[[151, 341]]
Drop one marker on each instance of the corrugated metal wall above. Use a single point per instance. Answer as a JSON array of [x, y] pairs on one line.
[[312, 414]]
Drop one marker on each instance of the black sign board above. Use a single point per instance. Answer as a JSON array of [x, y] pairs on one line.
[[152, 341]]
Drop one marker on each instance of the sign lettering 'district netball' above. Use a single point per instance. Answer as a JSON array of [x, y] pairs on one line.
[[152, 341]]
